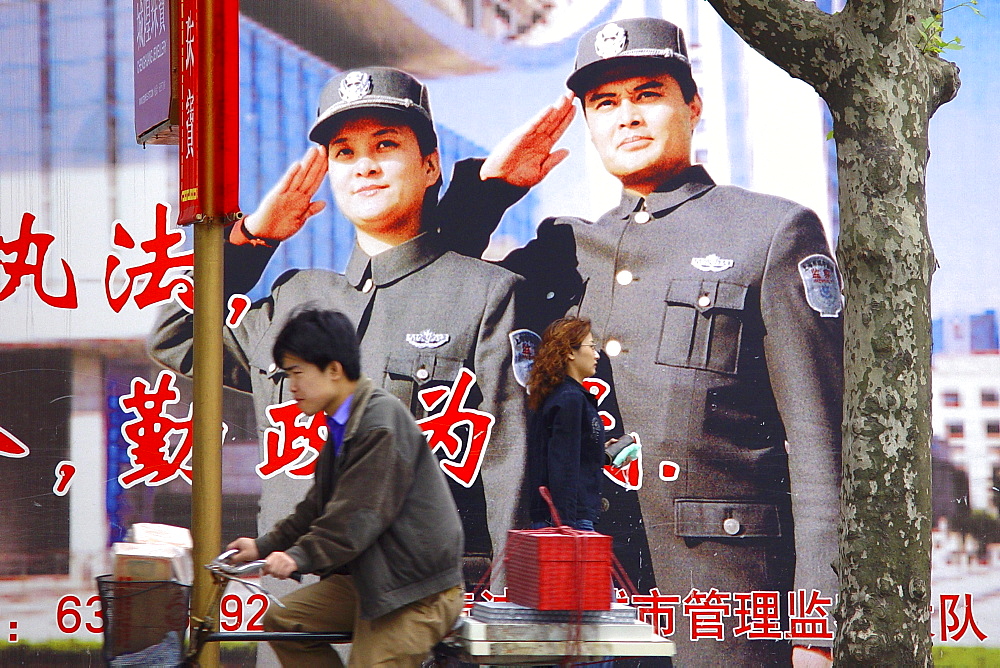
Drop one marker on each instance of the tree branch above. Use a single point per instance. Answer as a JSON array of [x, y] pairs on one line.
[[946, 83], [793, 34], [879, 16]]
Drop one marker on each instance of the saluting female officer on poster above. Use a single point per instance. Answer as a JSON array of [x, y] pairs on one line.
[[434, 325]]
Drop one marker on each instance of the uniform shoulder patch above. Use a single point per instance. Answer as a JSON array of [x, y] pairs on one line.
[[524, 344], [822, 285]]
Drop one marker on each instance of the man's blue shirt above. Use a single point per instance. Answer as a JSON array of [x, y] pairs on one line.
[[337, 422]]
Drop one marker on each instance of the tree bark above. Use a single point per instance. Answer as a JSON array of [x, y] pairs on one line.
[[881, 88]]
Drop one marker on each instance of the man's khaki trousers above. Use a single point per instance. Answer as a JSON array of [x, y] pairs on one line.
[[402, 637]]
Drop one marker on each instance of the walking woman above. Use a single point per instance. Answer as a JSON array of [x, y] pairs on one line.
[[566, 435]]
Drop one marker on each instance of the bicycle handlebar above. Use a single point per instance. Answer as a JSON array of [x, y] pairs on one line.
[[223, 566]]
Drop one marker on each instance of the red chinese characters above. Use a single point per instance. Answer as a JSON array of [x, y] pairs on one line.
[[601, 390], [705, 610], [955, 623], [758, 614], [468, 600], [630, 475], [808, 616], [495, 598], [30, 244], [10, 446], [65, 471], [159, 443], [657, 609], [162, 278], [238, 307], [293, 442], [464, 454]]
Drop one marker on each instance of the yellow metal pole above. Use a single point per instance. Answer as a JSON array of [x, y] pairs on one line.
[[206, 492]]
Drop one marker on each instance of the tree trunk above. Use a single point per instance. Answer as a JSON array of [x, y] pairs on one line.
[[882, 88]]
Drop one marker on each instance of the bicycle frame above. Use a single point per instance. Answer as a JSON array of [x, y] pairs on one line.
[[203, 627]]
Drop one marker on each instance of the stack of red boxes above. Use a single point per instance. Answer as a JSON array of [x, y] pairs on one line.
[[559, 568]]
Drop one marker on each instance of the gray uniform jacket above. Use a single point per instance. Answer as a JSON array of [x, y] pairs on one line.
[[380, 507], [723, 360], [465, 308]]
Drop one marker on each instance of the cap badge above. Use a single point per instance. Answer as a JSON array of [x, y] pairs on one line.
[[355, 86], [610, 41]]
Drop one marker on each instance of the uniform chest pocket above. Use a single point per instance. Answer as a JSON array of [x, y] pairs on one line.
[[714, 518], [405, 375], [702, 325]]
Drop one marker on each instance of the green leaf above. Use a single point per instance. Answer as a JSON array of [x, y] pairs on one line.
[[829, 135]]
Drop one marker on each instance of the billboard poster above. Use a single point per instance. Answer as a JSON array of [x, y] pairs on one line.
[[695, 317]]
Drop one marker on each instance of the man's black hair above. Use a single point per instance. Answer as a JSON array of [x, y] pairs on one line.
[[320, 337]]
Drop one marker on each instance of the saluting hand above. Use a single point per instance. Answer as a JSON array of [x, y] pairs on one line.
[[289, 204], [525, 156]]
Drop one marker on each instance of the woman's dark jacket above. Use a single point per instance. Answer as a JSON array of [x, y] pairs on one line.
[[566, 454]]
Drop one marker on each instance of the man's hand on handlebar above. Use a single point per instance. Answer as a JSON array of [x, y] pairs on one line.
[[247, 550], [280, 565], [244, 551]]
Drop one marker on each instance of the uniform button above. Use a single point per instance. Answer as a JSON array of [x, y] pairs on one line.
[[422, 373], [271, 368], [731, 526], [369, 284], [624, 277], [704, 301], [642, 217], [613, 348], [550, 295]]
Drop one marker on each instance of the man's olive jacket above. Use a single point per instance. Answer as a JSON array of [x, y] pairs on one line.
[[379, 507]]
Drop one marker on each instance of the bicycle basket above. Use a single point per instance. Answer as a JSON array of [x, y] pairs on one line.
[[145, 622]]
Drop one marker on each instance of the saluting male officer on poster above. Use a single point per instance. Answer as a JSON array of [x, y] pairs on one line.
[[719, 314]]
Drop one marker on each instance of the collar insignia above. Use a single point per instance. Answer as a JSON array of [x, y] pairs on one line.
[[427, 339], [711, 262]]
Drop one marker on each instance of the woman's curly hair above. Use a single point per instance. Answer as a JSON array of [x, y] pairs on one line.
[[559, 340]]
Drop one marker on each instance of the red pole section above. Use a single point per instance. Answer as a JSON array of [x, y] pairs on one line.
[[209, 168]]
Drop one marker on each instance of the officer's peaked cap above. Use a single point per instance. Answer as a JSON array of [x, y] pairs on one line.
[[611, 45], [373, 88]]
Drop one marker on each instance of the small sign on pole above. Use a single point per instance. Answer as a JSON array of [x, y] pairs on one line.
[[155, 84]]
